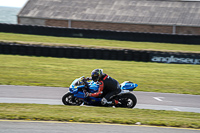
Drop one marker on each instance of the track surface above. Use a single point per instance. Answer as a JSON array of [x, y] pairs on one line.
[[53, 95], [53, 127]]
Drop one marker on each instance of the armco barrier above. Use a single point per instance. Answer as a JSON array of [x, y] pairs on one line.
[[99, 34], [94, 53]]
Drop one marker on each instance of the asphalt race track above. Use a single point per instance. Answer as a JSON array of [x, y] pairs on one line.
[[61, 127], [53, 95]]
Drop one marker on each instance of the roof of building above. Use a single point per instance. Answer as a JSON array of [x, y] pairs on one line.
[[163, 12]]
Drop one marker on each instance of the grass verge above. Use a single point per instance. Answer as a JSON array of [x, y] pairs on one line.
[[60, 72], [99, 115], [83, 42]]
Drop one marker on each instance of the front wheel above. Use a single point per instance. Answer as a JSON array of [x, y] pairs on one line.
[[69, 99], [127, 100]]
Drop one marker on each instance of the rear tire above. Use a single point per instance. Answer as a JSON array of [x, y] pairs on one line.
[[127, 100], [69, 99]]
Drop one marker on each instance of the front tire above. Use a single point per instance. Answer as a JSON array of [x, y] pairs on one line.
[[127, 100], [69, 99]]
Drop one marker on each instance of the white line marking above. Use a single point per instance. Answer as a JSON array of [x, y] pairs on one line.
[[177, 109], [159, 98]]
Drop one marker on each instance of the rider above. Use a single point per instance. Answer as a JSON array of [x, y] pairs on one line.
[[108, 87]]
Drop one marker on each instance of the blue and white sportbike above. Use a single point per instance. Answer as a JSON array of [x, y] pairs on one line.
[[77, 94]]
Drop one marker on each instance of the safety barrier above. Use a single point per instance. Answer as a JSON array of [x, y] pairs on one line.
[[97, 53], [99, 34]]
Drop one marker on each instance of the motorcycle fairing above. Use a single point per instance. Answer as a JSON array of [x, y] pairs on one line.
[[127, 85], [93, 87]]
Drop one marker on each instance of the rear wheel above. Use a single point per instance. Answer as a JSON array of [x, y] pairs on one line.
[[127, 100], [69, 99]]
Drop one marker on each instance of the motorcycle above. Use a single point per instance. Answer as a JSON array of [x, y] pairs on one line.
[[78, 88]]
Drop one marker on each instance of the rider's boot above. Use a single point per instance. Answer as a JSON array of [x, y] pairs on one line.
[[113, 102], [104, 101]]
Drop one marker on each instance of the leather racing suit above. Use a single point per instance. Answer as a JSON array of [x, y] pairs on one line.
[[108, 87]]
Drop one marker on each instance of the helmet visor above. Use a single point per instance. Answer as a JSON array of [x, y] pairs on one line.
[[95, 76]]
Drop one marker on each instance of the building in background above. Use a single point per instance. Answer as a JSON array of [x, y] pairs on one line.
[[151, 16]]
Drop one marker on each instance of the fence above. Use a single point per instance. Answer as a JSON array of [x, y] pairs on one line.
[[99, 34], [95, 53]]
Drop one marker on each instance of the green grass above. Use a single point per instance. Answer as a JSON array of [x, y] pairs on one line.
[[66, 41], [60, 72], [99, 115]]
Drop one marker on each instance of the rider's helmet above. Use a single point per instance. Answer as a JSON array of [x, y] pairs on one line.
[[96, 74]]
